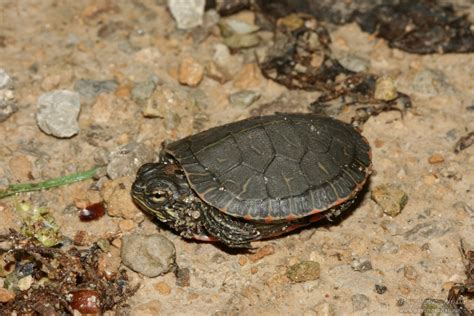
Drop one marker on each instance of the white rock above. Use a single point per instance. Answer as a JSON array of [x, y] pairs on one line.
[[57, 113], [188, 14], [5, 80]]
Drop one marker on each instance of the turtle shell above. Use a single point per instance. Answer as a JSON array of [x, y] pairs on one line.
[[277, 167]]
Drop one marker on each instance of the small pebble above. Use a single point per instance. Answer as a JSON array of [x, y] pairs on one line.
[[380, 289], [7, 265], [389, 247], [385, 89], [249, 77], [82, 238], [117, 243], [5, 80], [190, 72], [391, 199], [436, 158], [230, 27], [429, 230], [116, 194], [142, 91], [242, 261], [201, 33], [25, 283], [452, 134], [262, 252], [229, 64], [103, 244], [58, 112], [355, 63], [237, 41], [452, 171], [109, 263], [361, 264], [187, 14], [167, 102], [304, 271], [292, 21], [150, 255], [163, 288], [244, 98], [91, 89], [215, 72], [125, 160], [6, 295], [435, 307], [464, 142], [410, 273], [86, 301], [7, 104], [405, 289], [359, 302], [183, 277]]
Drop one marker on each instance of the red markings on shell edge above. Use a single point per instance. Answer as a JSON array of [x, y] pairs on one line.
[[268, 219], [248, 217], [317, 217]]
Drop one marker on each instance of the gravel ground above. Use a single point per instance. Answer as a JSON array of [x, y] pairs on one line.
[[142, 81]]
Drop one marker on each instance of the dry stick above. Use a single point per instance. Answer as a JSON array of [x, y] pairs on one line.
[[48, 184]]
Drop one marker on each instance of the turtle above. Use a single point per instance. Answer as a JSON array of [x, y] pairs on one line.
[[256, 178]]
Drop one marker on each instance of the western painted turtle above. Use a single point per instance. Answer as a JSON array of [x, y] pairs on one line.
[[255, 178]]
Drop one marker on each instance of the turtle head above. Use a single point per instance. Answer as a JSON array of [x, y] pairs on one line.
[[156, 189], [162, 190]]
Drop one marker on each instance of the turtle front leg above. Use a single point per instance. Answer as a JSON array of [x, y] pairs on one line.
[[232, 232]]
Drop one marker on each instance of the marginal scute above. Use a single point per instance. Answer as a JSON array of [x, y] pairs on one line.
[[274, 166]]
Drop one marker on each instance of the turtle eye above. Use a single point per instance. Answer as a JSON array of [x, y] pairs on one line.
[[159, 196]]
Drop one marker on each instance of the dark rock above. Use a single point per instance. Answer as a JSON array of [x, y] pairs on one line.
[[380, 289]]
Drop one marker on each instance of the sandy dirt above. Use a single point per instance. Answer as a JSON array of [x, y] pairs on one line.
[[49, 45]]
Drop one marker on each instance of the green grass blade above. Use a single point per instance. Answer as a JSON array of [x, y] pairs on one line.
[[48, 184]]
